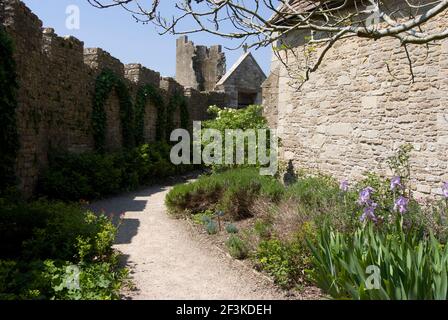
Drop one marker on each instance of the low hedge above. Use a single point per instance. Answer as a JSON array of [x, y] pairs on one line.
[[232, 191]]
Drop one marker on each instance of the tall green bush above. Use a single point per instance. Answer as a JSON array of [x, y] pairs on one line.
[[233, 119]]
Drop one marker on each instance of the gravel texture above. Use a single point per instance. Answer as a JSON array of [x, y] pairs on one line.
[[169, 260]]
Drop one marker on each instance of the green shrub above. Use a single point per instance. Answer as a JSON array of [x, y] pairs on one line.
[[94, 175], [49, 279], [237, 247], [232, 191], [410, 267], [230, 118], [262, 229], [39, 240], [43, 230], [211, 227], [231, 228], [203, 217], [81, 176], [280, 260], [318, 198]]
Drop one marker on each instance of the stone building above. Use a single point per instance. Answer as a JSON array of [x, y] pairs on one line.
[[242, 83], [361, 105], [204, 69]]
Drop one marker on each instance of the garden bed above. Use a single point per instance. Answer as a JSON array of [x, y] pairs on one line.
[[361, 240]]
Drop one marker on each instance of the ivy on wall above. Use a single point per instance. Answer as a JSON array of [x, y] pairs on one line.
[[9, 138], [107, 81], [143, 94], [177, 102]]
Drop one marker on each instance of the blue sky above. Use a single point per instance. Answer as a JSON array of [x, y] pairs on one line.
[[117, 32]]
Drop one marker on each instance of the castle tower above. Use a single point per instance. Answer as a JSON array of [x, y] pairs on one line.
[[199, 67]]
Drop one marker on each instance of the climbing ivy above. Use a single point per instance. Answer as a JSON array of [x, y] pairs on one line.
[[105, 83], [132, 117], [9, 139], [177, 101], [143, 94]]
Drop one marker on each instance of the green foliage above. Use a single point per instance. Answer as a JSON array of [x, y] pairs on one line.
[[399, 163], [232, 191], [93, 175], [105, 83], [203, 217], [410, 267], [40, 240], [9, 140], [237, 247], [53, 230], [81, 176], [319, 198], [262, 228], [143, 94], [229, 118], [279, 260], [211, 227], [231, 228], [38, 280], [177, 102]]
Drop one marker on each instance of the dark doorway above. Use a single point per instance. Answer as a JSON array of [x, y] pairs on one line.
[[246, 99]]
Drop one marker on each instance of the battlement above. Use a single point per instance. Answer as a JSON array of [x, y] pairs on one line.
[[199, 67], [57, 78]]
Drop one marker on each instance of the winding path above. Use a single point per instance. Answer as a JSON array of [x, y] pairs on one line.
[[169, 261]]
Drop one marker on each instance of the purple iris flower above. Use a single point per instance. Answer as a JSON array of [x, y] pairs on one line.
[[395, 182], [445, 189], [369, 213], [344, 185], [364, 195], [401, 204]]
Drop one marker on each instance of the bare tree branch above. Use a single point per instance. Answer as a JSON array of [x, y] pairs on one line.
[[262, 23]]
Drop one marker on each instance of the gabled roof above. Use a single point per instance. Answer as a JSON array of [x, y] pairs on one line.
[[244, 57]]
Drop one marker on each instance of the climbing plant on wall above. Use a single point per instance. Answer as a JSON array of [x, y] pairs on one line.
[[107, 81], [143, 94], [9, 140], [177, 102]]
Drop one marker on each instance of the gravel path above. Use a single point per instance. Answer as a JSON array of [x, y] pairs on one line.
[[169, 261]]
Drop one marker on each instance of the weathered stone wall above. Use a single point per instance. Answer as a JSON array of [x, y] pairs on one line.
[[57, 84], [361, 105], [199, 67], [245, 76]]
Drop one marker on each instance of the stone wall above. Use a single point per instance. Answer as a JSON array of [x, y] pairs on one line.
[[199, 67], [245, 77], [57, 83], [361, 105]]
